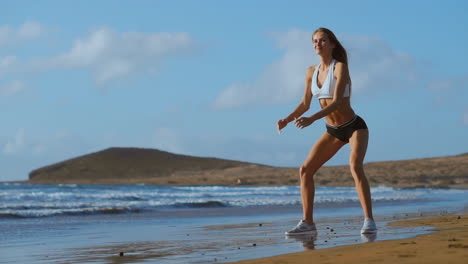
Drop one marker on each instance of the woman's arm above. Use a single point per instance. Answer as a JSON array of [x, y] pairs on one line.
[[304, 105]]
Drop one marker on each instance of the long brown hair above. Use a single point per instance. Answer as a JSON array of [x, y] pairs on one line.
[[339, 53]]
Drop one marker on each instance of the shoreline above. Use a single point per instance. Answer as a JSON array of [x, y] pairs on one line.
[[213, 236], [447, 243], [396, 186]]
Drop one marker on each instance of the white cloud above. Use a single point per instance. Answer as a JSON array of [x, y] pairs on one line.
[[51, 145], [17, 144], [7, 64], [5, 32], [110, 55], [30, 30], [451, 93], [167, 139], [11, 88], [449, 85], [39, 150], [373, 65], [26, 32], [280, 81]]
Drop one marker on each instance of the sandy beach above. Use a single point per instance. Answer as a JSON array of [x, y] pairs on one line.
[[447, 244]]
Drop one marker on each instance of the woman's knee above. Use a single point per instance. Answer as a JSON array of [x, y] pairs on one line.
[[357, 168], [306, 173]]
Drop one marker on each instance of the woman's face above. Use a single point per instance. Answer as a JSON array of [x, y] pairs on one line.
[[322, 44]]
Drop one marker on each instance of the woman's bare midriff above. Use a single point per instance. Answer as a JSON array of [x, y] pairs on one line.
[[343, 114]]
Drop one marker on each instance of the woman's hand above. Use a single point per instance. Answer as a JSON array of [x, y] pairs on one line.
[[302, 122], [282, 123]]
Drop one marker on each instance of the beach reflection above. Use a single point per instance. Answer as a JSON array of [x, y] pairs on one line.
[[308, 241], [368, 237]]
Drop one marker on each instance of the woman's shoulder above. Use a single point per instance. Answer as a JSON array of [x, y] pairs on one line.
[[341, 65], [310, 71], [341, 69]]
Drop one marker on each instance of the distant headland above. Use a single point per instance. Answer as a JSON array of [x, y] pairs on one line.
[[155, 167]]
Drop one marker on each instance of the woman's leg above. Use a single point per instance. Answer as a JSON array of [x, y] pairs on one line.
[[320, 153], [358, 143]]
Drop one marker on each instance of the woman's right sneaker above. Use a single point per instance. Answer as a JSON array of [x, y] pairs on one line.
[[369, 226], [302, 228]]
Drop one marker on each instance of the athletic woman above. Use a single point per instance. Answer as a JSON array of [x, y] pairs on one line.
[[331, 84]]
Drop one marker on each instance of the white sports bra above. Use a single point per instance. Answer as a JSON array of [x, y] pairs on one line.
[[328, 86]]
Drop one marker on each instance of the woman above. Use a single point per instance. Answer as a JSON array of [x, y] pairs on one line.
[[331, 84]]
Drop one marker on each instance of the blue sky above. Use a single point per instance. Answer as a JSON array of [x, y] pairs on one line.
[[211, 78]]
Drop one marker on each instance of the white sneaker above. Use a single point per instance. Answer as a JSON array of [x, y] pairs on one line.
[[302, 228], [369, 226]]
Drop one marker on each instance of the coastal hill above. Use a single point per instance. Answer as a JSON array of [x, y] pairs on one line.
[[151, 166]]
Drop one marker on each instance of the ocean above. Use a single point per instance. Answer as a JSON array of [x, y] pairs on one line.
[[194, 224], [26, 201]]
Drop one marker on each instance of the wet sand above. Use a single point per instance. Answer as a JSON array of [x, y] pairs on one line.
[[256, 238], [447, 244]]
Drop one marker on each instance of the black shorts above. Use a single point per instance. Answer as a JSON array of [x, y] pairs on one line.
[[346, 130]]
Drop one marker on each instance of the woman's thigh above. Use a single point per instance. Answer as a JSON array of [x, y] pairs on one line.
[[358, 144], [325, 148]]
